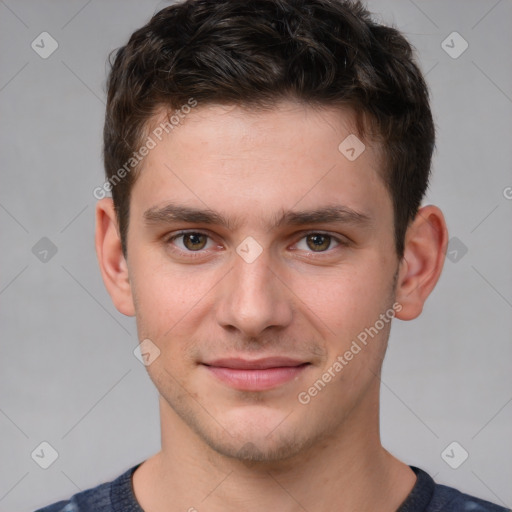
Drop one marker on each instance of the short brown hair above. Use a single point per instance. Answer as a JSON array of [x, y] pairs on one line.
[[257, 52]]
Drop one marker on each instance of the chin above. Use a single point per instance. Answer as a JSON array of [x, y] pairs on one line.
[[258, 450], [260, 437], [255, 433]]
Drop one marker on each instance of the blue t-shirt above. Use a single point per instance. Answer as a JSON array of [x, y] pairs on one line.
[[425, 496]]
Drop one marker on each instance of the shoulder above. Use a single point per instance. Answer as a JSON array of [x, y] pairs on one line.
[[430, 496], [449, 499], [96, 498], [106, 497]]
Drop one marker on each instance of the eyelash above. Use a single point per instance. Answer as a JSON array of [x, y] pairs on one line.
[[197, 254]]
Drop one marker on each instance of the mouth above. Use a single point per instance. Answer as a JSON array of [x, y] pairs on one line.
[[258, 374]]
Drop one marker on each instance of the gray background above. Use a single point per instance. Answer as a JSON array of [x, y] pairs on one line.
[[68, 375]]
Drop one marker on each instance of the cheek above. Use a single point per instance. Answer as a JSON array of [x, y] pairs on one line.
[[344, 299], [168, 301]]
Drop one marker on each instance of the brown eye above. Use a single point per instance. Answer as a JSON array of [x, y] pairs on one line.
[[194, 241], [189, 245], [318, 242]]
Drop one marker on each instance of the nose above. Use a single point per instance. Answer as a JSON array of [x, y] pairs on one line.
[[253, 298]]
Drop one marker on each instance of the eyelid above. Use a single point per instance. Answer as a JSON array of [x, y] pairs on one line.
[[340, 239], [170, 238]]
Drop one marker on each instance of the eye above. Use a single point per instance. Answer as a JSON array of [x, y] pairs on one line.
[[318, 242], [191, 241]]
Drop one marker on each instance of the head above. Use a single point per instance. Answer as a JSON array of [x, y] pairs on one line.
[[232, 121]]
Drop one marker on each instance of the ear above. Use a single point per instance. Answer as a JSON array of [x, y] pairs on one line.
[[426, 241], [113, 266]]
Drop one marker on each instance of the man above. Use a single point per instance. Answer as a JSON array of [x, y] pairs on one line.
[[267, 161]]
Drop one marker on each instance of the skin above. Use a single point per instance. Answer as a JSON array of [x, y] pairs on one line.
[[228, 449]]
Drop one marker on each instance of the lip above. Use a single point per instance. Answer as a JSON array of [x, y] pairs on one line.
[[257, 374], [265, 363]]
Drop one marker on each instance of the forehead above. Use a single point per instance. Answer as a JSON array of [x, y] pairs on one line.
[[257, 163]]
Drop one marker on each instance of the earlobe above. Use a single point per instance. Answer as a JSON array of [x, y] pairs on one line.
[[113, 266], [425, 248]]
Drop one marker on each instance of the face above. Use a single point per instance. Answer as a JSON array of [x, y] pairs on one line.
[[258, 254]]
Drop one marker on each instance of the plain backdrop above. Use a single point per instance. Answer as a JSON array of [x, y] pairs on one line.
[[68, 375]]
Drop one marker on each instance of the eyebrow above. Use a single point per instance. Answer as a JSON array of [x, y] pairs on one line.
[[171, 212]]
